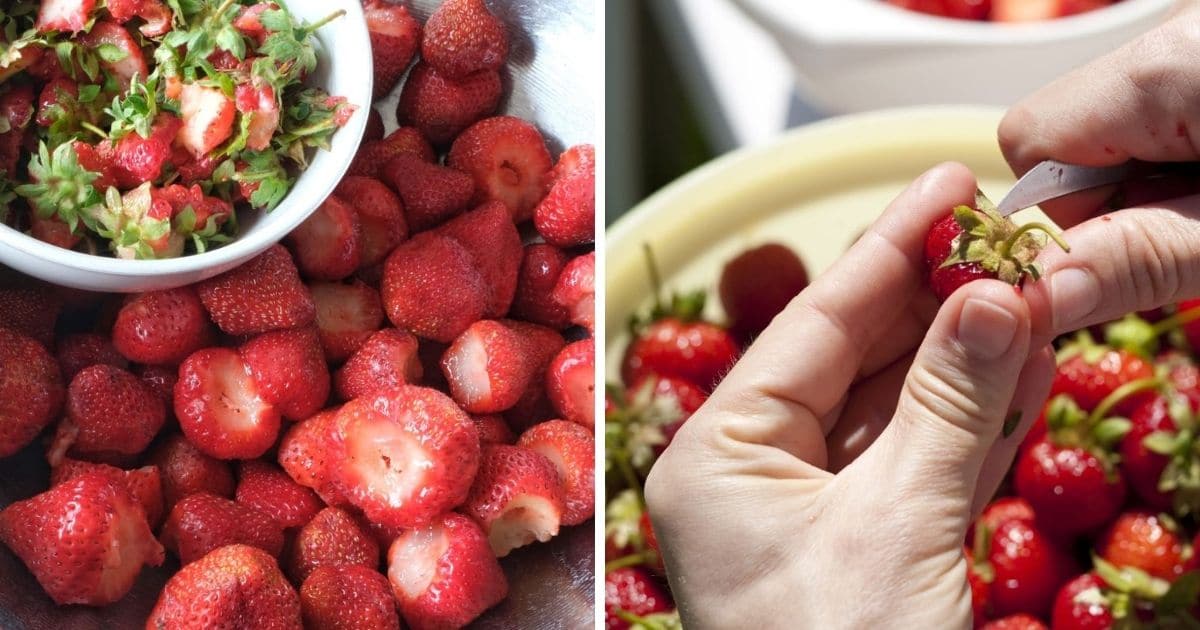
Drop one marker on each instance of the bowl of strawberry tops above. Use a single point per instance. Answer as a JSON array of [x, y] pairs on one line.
[[149, 144]]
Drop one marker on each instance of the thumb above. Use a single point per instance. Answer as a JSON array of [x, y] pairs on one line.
[[955, 399]]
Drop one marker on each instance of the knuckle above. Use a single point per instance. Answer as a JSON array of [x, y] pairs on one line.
[[1161, 254], [943, 392]]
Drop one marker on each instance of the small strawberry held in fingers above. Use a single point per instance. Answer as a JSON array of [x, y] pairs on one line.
[[202, 522], [388, 359], [289, 368], [110, 413], [442, 107], [327, 245], [576, 290], [348, 597], [571, 382], [221, 408], [443, 574], [508, 159], [571, 448], [162, 327], [432, 193], [347, 316], [143, 484], [974, 243], [265, 487], [184, 471], [234, 586], [516, 498], [566, 217], [533, 302], [380, 213], [333, 537], [395, 35], [462, 37]]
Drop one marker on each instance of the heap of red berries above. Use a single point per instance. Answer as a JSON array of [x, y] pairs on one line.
[[353, 427]]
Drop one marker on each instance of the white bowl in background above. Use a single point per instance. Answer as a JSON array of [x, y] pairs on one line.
[[857, 55], [344, 70]]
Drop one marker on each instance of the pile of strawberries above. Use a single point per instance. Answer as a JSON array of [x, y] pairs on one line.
[[1002, 10], [405, 386]]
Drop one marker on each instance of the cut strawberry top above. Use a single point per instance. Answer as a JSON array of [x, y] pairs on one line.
[[415, 557]]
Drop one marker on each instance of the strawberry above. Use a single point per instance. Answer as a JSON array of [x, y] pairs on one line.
[[265, 487], [326, 245], [632, 591], [143, 484], [64, 15], [571, 382], [236, 586], [432, 287], [494, 243], [333, 537], [130, 65], [508, 159], [394, 36], [432, 193], [1027, 568], [260, 114], [82, 350], [489, 366], [249, 21], [1191, 330], [406, 455], [372, 156], [516, 498], [1080, 605], [134, 159], [695, 351], [536, 279], [1002, 510], [542, 345], [202, 522], [756, 286], [566, 217], [374, 130], [961, 9], [571, 448], [462, 37], [1089, 373], [161, 380], [261, 295], [1015, 622], [162, 327], [973, 243], [1143, 540], [1142, 467], [348, 597], [442, 107], [493, 429], [16, 105], [980, 591], [53, 231], [576, 290], [380, 214], [661, 401], [387, 360], [1071, 489], [208, 117], [347, 316], [305, 454], [110, 412], [85, 540], [221, 408], [157, 16], [289, 369], [30, 309], [58, 99], [443, 573], [185, 471]]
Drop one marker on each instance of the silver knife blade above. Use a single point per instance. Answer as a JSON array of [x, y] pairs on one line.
[[1051, 180]]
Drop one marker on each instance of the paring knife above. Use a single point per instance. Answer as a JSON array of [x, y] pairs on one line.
[[1051, 180]]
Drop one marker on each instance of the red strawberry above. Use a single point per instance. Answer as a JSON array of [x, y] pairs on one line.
[[432, 287], [85, 540], [1081, 605], [394, 35], [260, 111], [143, 484], [326, 245], [161, 380], [237, 586], [134, 159], [1097, 371], [374, 130], [185, 471], [31, 309], [110, 412], [1142, 467], [1070, 488], [508, 159], [571, 448], [221, 408], [516, 498], [305, 453], [265, 487], [58, 99], [443, 574], [442, 107], [261, 295], [333, 537], [1015, 622], [407, 454], [162, 327], [542, 345], [347, 316], [494, 243], [1002, 510], [372, 156], [462, 37], [633, 591], [249, 21], [1143, 540], [380, 214], [432, 193], [980, 591], [132, 63], [490, 365], [1191, 330], [289, 368], [652, 396], [961, 9], [757, 284], [156, 15], [571, 382], [387, 360], [348, 598], [540, 269], [53, 231], [81, 350], [16, 105], [566, 217], [64, 15], [1028, 569], [697, 351], [208, 117], [493, 429], [576, 290], [202, 522]]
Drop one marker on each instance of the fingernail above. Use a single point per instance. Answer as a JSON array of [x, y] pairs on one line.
[[1074, 294], [985, 329]]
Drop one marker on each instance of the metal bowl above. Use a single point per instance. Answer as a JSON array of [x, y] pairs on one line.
[[552, 79]]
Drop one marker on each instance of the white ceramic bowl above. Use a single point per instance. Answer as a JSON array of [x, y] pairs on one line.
[[857, 55], [344, 70]]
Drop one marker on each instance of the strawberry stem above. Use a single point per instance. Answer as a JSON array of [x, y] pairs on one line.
[[325, 20], [94, 129], [655, 278], [1030, 227], [1121, 393], [632, 560], [1177, 320]]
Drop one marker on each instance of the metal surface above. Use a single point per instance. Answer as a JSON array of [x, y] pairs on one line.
[[1051, 180]]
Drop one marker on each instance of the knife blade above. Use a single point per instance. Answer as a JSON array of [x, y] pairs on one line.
[[1052, 179]]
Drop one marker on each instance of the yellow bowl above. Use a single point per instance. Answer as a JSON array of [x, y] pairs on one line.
[[815, 189]]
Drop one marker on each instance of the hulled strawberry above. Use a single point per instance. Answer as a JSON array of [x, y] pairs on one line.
[[326, 245], [380, 213], [571, 448], [110, 413], [394, 35], [261, 295], [234, 586], [571, 382], [208, 116], [185, 470], [202, 522], [566, 216], [576, 290], [64, 15], [442, 107], [347, 316], [489, 366], [333, 537], [221, 408], [143, 484], [633, 596], [462, 37], [387, 360], [267, 488], [516, 497], [259, 109], [348, 597], [509, 161], [162, 327], [432, 287], [756, 286], [432, 193], [289, 368], [534, 302], [31, 390]]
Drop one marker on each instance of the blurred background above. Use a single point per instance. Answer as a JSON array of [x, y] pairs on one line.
[[689, 80]]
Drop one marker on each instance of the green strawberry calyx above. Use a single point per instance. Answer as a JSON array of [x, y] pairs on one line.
[[997, 243]]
